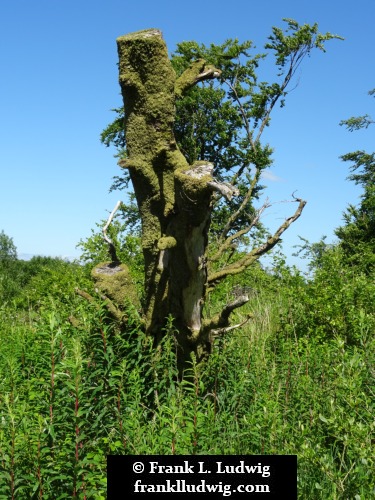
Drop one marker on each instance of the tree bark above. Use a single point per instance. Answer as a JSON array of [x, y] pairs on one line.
[[174, 199]]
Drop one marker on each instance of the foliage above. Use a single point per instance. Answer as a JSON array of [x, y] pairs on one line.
[[338, 303], [222, 121], [70, 395], [297, 378], [28, 281], [357, 235], [8, 250]]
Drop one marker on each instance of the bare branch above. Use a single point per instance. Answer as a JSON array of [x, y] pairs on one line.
[[229, 308], [222, 331], [224, 188], [111, 246], [228, 242], [243, 263], [221, 321]]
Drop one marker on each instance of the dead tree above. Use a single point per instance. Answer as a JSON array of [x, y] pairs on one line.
[[175, 202]]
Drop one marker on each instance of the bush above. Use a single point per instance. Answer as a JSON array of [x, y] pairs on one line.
[[337, 303]]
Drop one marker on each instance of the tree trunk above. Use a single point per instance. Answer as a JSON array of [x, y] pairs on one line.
[[174, 199]]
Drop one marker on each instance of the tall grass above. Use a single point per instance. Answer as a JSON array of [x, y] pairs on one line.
[[70, 395]]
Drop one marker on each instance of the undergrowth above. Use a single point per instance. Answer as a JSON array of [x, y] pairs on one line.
[[71, 395]]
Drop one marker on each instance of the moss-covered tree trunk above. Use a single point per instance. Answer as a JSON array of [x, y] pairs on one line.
[[173, 197]]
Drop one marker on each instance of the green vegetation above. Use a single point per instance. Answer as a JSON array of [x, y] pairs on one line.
[[298, 378], [80, 378], [190, 142], [357, 236]]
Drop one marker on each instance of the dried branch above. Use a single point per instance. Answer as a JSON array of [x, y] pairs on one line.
[[229, 308], [221, 321], [243, 263], [222, 331], [224, 188], [229, 241], [111, 246]]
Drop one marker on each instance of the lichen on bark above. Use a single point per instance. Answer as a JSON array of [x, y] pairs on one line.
[[175, 201], [173, 197], [115, 282]]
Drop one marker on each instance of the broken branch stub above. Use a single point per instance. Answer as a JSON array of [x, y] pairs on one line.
[[197, 72], [224, 188]]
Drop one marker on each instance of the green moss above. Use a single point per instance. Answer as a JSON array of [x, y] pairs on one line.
[[193, 185], [199, 70], [147, 80], [171, 200], [166, 242], [115, 282], [135, 35]]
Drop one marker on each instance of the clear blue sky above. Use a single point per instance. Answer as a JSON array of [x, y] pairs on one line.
[[59, 82]]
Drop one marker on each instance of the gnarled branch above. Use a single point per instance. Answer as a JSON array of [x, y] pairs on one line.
[[243, 263], [197, 72], [228, 243], [221, 320], [222, 331], [224, 188]]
